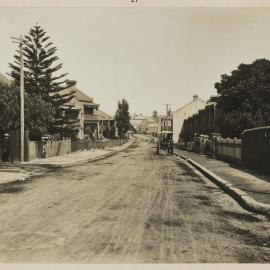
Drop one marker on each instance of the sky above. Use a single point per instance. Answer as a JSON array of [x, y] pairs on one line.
[[150, 56]]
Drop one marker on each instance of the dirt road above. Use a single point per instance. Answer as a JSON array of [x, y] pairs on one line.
[[132, 207]]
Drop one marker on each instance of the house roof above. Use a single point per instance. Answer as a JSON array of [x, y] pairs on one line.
[[192, 101], [98, 115], [210, 103], [102, 115], [80, 96], [138, 117]]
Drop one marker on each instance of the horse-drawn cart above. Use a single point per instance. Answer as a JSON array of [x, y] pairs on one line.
[[165, 142]]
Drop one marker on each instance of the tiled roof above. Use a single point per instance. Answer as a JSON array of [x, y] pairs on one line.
[[97, 116], [102, 115], [138, 117], [80, 96], [186, 105]]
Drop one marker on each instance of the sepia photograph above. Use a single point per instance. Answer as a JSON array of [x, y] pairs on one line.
[[134, 132]]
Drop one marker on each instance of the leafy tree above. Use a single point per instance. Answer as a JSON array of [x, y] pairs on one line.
[[154, 114], [244, 98], [42, 76], [38, 113], [38, 116], [122, 117], [9, 104]]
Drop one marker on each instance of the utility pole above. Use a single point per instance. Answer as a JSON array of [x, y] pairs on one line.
[[167, 110], [20, 42], [22, 100]]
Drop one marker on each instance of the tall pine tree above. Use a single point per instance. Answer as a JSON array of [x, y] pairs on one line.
[[42, 76], [122, 118]]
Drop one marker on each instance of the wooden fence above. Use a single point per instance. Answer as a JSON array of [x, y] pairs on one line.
[[252, 151], [256, 148], [218, 147], [228, 149], [58, 148]]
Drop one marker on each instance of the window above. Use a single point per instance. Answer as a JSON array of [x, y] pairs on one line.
[[88, 110]]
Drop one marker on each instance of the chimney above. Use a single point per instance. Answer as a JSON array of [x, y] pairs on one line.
[[195, 97]]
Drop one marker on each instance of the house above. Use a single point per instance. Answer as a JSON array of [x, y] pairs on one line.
[[140, 123], [205, 121], [166, 122], [184, 112], [86, 116], [89, 117], [106, 124], [153, 125], [79, 112]]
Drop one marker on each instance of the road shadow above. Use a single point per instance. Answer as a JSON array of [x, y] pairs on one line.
[[256, 173], [253, 172], [12, 187], [246, 217]]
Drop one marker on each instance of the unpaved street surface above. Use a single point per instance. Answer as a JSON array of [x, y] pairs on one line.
[[132, 207]]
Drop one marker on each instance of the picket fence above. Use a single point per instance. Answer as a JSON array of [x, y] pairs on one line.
[[228, 149], [58, 148]]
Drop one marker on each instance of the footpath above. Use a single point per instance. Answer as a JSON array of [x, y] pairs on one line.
[[249, 188], [25, 170]]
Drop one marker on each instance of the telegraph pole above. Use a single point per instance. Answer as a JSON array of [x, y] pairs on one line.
[[22, 99], [20, 42]]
